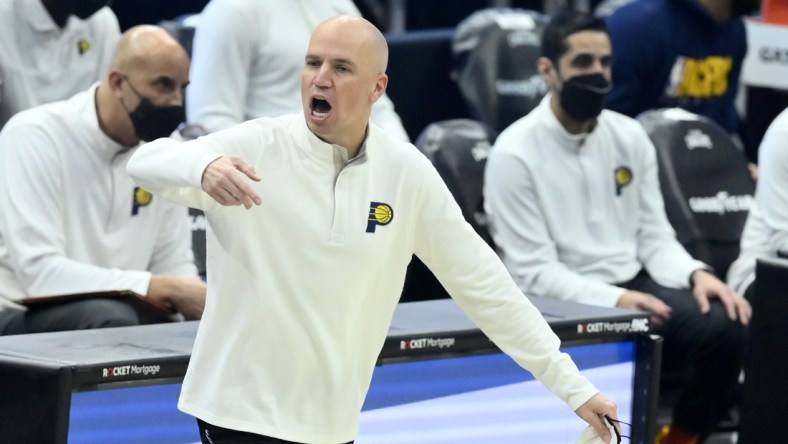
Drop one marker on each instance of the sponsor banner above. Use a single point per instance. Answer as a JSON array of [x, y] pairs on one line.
[[427, 343], [432, 345], [397, 348], [129, 371], [634, 326], [766, 63]]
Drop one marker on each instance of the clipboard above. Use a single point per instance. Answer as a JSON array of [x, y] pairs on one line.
[[140, 304]]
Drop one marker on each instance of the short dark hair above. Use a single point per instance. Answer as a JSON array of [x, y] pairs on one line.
[[564, 24]]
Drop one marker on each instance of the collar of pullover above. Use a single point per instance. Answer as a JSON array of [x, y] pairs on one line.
[[321, 151]]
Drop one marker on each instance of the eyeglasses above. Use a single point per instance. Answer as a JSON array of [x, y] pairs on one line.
[[611, 421]]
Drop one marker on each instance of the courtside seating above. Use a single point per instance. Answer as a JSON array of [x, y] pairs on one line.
[[419, 82], [705, 182], [458, 148], [198, 221], [182, 28], [199, 225], [495, 52]]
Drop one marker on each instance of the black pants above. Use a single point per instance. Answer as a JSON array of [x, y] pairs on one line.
[[211, 434], [706, 350], [76, 315]]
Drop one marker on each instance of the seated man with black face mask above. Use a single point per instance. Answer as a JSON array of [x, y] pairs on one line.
[[574, 204], [51, 50], [71, 219]]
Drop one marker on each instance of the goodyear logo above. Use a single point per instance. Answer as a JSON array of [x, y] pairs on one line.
[[379, 214], [141, 199], [83, 46], [623, 177], [721, 203]]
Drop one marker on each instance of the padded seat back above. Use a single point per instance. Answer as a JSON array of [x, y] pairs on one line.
[[705, 182], [458, 148], [495, 52], [419, 82]]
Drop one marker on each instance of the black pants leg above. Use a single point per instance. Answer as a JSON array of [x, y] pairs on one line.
[[211, 434], [76, 315], [707, 349]]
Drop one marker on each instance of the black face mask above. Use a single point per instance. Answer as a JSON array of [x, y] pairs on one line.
[[744, 7], [583, 97], [152, 122], [85, 8]]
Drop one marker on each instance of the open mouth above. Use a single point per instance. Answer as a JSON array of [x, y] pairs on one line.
[[320, 107]]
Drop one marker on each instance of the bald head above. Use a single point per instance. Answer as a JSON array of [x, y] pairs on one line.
[[344, 75], [143, 46], [149, 73], [371, 41]]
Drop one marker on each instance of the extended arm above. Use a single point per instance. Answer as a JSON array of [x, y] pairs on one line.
[[474, 276], [179, 171]]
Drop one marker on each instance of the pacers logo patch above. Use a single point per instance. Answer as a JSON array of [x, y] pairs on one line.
[[83, 46], [141, 198], [379, 214], [623, 177]]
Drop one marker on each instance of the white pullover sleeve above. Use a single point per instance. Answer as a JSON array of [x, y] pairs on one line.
[[174, 170]]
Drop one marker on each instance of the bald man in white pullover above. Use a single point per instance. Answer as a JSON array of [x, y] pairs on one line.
[[335, 208]]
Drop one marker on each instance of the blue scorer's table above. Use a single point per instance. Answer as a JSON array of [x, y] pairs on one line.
[[438, 380]]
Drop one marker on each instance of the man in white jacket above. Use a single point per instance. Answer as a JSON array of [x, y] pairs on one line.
[[52, 49], [247, 56], [304, 281], [71, 219], [766, 231], [574, 204]]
